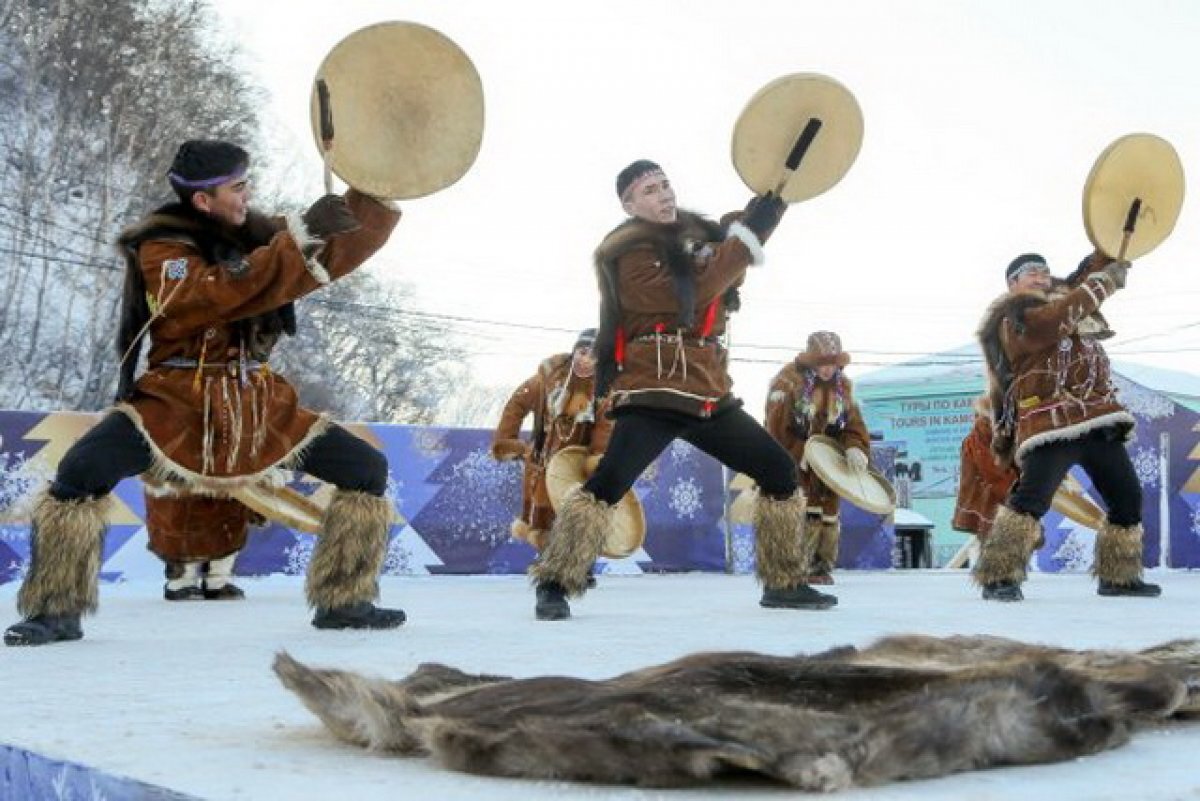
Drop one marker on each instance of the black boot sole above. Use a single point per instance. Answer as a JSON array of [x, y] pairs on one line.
[[1123, 593], [16, 640], [552, 613], [813, 605]]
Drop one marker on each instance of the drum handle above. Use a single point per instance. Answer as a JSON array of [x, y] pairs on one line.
[[798, 152], [326, 118], [1131, 219]]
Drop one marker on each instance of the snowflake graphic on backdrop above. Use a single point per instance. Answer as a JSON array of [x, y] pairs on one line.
[[298, 556], [17, 571], [680, 452], [489, 486], [392, 493], [685, 498], [1143, 402], [19, 481], [398, 561], [743, 549], [1196, 521], [480, 470], [1074, 552], [429, 443], [1145, 462]]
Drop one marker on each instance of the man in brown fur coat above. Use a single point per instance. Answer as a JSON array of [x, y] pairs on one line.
[[206, 278], [667, 281], [561, 398], [1053, 406], [811, 396]]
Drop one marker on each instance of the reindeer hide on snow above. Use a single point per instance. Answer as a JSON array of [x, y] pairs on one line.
[[906, 707]]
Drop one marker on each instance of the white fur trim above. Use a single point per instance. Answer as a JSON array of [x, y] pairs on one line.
[[1072, 432], [165, 471], [303, 239], [752, 243], [317, 271], [299, 231], [1102, 282]]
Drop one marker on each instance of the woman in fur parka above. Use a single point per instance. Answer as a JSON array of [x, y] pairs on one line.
[[810, 396]]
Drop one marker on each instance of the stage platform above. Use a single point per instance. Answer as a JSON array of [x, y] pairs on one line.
[[176, 700]]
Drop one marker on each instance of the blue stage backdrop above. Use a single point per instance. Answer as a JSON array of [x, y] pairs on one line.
[[454, 505]]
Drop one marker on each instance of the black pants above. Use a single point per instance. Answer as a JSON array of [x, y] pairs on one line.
[[1102, 454], [732, 437], [114, 449]]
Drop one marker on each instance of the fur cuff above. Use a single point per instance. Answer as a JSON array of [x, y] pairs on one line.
[[751, 241], [349, 554], [1118, 554], [575, 540], [1006, 549], [64, 562], [307, 243], [783, 544], [504, 450], [828, 540]]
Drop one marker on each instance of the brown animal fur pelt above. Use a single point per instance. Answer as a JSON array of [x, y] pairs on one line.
[[906, 707]]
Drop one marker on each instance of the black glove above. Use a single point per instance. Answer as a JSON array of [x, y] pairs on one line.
[[328, 216], [763, 213]]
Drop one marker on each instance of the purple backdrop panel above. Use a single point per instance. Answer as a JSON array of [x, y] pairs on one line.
[[455, 505]]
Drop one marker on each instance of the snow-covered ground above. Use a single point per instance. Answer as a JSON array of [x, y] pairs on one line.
[[182, 696]]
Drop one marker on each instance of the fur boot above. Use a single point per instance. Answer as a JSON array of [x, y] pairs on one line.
[[183, 582], [64, 565], [345, 565], [1118, 562], [783, 548], [578, 533], [1118, 553], [1005, 553], [828, 539], [218, 580]]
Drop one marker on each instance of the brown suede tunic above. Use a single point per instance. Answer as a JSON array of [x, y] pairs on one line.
[[983, 484], [196, 528], [563, 415], [214, 419], [661, 364], [791, 418], [1047, 380]]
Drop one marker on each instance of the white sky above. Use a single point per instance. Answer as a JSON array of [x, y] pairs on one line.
[[982, 121]]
